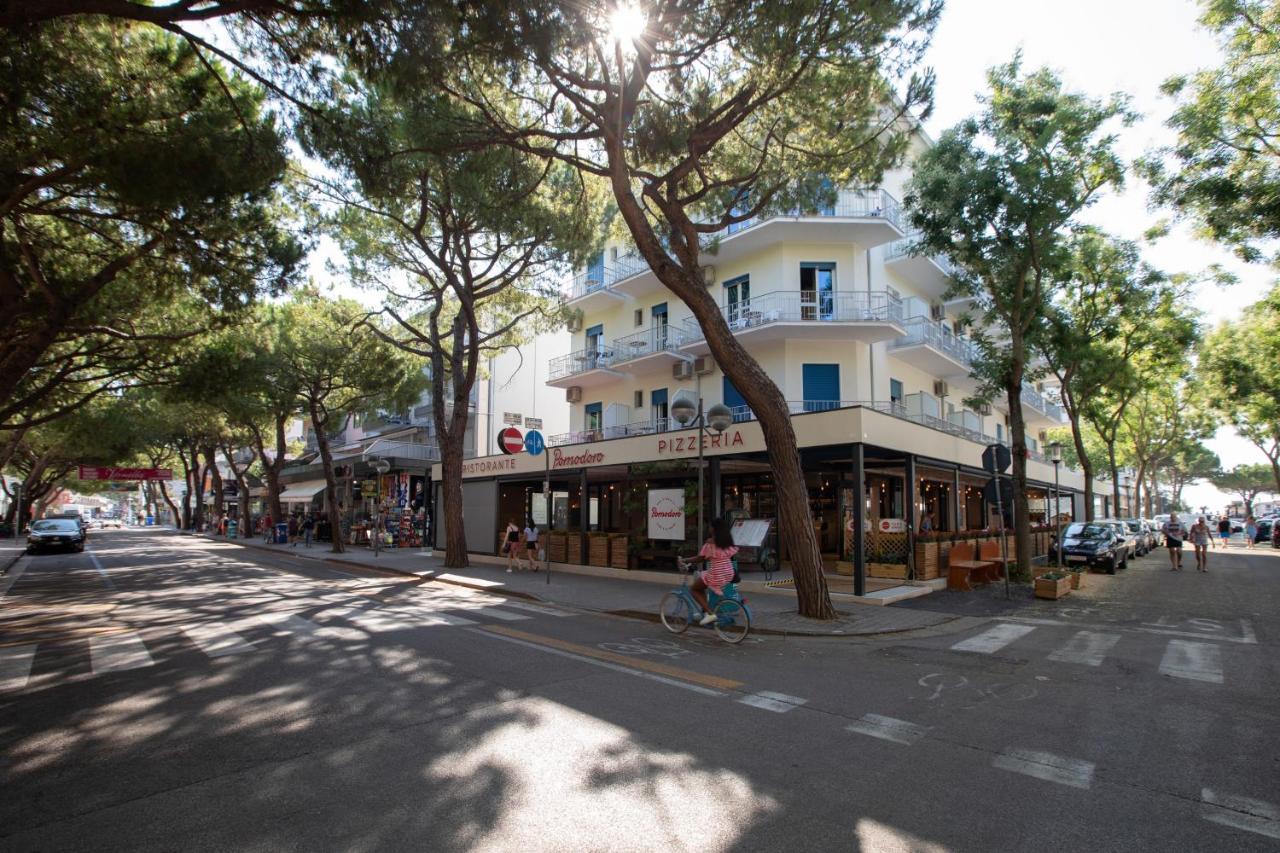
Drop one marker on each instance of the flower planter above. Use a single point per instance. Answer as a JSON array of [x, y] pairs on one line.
[[1052, 586], [897, 571], [619, 544], [1077, 578]]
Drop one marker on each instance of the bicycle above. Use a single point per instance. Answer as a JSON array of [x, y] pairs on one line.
[[678, 609]]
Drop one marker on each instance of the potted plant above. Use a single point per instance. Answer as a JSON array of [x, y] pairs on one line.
[[1053, 585]]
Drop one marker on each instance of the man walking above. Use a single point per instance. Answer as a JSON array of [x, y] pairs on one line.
[[308, 527], [1174, 534]]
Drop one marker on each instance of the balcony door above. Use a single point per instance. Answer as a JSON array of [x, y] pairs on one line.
[[658, 326], [595, 347], [593, 418], [737, 294], [735, 401], [658, 410], [595, 273], [817, 291]]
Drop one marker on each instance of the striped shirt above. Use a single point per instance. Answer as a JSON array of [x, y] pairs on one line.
[[720, 565]]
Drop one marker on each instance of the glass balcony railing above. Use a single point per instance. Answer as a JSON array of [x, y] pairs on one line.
[[580, 362], [926, 332], [795, 306]]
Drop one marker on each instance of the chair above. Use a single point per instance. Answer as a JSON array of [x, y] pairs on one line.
[[990, 552]]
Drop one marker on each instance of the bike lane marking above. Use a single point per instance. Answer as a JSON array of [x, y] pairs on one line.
[[1073, 772], [700, 682], [778, 703], [1240, 812]]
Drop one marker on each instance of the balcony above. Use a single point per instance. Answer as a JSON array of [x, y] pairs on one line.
[[934, 349], [585, 368], [652, 348], [806, 315], [932, 273], [595, 289], [867, 217], [1038, 403]]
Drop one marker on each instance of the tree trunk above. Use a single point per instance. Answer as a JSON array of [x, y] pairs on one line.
[[455, 535], [242, 494], [1139, 486], [331, 482], [1115, 480], [211, 462], [197, 472], [1018, 450], [1086, 466], [183, 521], [164, 493]]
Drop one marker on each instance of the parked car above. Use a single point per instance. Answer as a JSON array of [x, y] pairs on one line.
[[1143, 538], [1128, 545], [112, 522], [1096, 544], [49, 533], [1264, 531]]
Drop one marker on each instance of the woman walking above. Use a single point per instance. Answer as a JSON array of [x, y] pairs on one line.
[[1224, 530], [510, 545], [1201, 536], [1250, 531]]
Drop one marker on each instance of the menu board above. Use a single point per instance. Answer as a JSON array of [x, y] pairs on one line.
[[750, 532]]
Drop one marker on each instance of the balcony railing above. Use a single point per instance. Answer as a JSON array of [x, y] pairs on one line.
[[907, 247], [606, 275], [795, 306], [404, 450], [663, 338], [1033, 398], [580, 362], [923, 331], [849, 204]]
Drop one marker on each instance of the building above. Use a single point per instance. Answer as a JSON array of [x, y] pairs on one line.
[[858, 333]]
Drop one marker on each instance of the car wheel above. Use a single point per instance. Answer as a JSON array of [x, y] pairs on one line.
[[1111, 566]]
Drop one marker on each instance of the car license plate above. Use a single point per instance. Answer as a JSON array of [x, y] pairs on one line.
[[1076, 558]]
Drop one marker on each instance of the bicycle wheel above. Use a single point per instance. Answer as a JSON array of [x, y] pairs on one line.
[[674, 613], [733, 622]]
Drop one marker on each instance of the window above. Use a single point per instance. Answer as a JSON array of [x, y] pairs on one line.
[[613, 253], [821, 387], [659, 326], [638, 401], [895, 390], [737, 294], [1000, 433], [595, 273], [591, 416], [639, 315], [735, 401], [817, 291], [658, 408]]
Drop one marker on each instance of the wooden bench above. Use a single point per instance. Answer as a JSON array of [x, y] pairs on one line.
[[990, 551], [963, 570]]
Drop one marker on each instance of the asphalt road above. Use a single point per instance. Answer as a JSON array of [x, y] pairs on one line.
[[164, 693]]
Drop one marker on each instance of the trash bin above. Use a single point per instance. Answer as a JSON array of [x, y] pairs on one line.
[[151, 520], [282, 533], [231, 529]]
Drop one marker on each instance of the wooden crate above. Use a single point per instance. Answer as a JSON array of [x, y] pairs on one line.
[[598, 549], [887, 570], [1053, 589], [556, 547], [572, 547], [619, 547], [928, 564]]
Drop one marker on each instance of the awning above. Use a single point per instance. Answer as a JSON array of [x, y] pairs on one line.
[[303, 491]]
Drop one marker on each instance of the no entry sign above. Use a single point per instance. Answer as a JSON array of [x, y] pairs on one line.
[[510, 440]]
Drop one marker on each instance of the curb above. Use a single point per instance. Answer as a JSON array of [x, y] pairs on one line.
[[649, 616], [7, 563]]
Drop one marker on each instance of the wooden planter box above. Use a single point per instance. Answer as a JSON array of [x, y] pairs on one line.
[[1077, 578], [598, 549], [1052, 589], [573, 548], [928, 562], [619, 545], [887, 570], [556, 547]]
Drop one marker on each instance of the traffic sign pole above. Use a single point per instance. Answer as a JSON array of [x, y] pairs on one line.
[[535, 445]]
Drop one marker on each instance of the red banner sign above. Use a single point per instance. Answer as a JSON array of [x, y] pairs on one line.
[[92, 472]]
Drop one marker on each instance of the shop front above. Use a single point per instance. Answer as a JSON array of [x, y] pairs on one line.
[[917, 484]]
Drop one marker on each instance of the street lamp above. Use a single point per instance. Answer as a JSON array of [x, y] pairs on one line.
[[1055, 456], [718, 417]]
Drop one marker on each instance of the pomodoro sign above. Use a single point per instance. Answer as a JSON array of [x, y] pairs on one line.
[[587, 455]]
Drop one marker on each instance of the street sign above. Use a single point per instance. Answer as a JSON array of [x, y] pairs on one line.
[[93, 472], [510, 440], [996, 459], [533, 423], [512, 418], [533, 443], [1004, 500]]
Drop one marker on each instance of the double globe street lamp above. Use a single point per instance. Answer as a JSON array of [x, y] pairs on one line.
[[719, 417]]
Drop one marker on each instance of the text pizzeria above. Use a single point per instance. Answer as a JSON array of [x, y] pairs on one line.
[[689, 443]]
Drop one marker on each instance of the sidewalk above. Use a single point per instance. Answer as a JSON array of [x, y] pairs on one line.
[[772, 613]]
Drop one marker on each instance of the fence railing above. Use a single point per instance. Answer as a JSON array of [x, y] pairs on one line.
[[606, 275], [849, 204], [908, 246], [580, 362], [921, 330], [798, 306], [404, 449], [663, 338], [1041, 403]]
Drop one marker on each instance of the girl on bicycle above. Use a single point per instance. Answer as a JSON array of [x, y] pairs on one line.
[[717, 552]]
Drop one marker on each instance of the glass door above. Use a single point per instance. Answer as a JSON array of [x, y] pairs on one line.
[[817, 291]]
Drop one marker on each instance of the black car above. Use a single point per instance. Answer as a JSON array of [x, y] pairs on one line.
[[1095, 545], [49, 533], [1263, 535]]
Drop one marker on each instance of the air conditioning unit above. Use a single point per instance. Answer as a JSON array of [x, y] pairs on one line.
[[940, 388], [681, 370], [573, 394], [575, 321], [985, 410], [703, 365], [708, 275], [937, 312]]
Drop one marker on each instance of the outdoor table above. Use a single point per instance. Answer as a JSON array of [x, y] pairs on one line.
[[960, 572]]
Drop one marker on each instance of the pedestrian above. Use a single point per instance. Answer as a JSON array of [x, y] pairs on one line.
[[1224, 530], [294, 530], [1201, 536], [531, 544], [308, 527], [267, 528], [926, 524], [1250, 532], [375, 533], [510, 543], [1174, 534]]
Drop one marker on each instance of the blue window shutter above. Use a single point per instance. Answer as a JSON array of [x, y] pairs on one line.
[[821, 387], [734, 399]]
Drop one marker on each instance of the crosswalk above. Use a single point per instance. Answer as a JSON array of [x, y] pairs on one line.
[[121, 647], [1189, 660]]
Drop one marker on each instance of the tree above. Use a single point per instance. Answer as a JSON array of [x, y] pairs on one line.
[[1190, 461], [340, 369], [464, 245], [996, 195], [136, 200], [1247, 481], [1238, 376], [704, 115], [1224, 170], [1158, 424], [1096, 323]]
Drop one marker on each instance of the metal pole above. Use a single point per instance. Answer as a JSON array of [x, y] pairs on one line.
[[17, 512], [1004, 540], [701, 432], [1057, 511], [546, 497]]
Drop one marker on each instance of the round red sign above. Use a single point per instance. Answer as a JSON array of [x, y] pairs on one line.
[[510, 440]]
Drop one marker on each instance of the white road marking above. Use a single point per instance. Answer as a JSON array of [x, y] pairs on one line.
[[217, 640], [371, 620], [1247, 637], [538, 608], [993, 639], [495, 613], [1087, 647], [297, 626], [1192, 661], [887, 728], [778, 703], [115, 652], [1241, 813], [1047, 766], [706, 691], [15, 666], [97, 566], [1246, 632]]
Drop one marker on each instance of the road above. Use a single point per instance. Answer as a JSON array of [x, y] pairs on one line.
[[164, 693]]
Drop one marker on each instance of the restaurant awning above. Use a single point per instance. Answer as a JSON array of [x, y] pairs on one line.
[[303, 491]]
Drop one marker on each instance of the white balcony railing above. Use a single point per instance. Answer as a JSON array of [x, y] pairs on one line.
[[931, 333], [795, 306], [662, 338], [908, 247], [581, 361]]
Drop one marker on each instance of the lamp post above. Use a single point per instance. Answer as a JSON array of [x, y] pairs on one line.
[[1055, 456], [718, 417]]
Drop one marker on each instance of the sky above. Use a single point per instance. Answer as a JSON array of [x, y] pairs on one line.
[[1099, 47]]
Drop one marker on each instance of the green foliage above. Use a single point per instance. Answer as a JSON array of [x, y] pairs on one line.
[[1224, 170], [136, 201], [1247, 481]]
